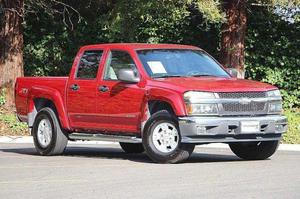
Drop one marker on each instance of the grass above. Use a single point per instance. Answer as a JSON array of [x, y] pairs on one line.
[[293, 134], [9, 125]]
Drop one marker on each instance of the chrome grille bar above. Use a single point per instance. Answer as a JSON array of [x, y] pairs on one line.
[[244, 103]]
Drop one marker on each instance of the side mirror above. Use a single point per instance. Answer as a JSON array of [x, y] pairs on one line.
[[127, 75], [232, 71]]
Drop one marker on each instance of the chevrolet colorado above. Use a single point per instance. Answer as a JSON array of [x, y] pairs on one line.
[[159, 98]]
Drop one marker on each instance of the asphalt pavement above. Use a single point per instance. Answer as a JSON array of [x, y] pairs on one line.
[[105, 171]]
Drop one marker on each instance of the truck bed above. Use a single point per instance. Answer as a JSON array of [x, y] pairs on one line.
[[25, 85]]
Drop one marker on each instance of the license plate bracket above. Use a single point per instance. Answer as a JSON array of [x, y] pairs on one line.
[[250, 127]]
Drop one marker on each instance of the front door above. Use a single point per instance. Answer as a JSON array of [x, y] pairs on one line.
[[82, 91], [119, 104]]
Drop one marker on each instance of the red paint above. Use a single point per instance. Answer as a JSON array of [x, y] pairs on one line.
[[123, 107]]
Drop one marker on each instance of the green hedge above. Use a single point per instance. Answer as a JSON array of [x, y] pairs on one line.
[[273, 55], [293, 134]]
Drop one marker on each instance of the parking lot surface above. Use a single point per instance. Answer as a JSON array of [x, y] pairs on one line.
[[105, 171]]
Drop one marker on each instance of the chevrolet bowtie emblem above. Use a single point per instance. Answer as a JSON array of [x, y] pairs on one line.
[[245, 101]]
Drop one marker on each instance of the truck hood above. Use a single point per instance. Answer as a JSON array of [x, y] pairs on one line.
[[212, 84]]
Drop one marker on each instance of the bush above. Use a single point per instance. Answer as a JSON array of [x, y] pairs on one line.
[[12, 122], [10, 126], [272, 53], [293, 134]]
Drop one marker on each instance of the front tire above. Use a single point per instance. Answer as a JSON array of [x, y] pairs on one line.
[[254, 150], [48, 137], [162, 139], [132, 147]]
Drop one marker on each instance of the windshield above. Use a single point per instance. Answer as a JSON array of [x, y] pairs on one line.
[[179, 62]]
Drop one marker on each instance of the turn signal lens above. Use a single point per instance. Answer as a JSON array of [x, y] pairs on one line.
[[202, 109]]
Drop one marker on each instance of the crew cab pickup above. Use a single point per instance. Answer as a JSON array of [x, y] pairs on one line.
[[159, 98]]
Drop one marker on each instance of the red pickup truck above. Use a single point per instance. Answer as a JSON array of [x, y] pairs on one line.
[[159, 98]]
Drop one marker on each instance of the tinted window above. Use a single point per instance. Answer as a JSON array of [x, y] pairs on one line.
[[118, 60], [177, 62], [88, 65]]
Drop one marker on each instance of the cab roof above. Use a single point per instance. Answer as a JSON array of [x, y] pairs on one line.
[[137, 46]]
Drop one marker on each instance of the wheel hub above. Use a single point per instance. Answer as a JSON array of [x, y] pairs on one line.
[[165, 137], [44, 133]]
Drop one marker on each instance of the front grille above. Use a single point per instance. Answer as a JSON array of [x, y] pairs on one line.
[[243, 95], [235, 108]]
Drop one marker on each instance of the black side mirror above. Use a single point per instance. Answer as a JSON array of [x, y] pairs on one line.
[[127, 75], [232, 71]]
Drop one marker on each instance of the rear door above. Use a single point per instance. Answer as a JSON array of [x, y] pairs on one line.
[[82, 90]]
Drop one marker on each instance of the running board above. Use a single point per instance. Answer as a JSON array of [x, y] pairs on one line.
[[104, 137]]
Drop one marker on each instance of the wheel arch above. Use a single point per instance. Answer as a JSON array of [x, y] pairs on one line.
[[154, 105], [158, 105], [41, 97]]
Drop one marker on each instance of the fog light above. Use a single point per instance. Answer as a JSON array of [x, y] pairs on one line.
[[201, 130], [275, 107], [278, 127]]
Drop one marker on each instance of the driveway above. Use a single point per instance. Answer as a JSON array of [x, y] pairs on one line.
[[105, 171]]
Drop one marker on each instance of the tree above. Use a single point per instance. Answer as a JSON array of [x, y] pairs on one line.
[[11, 45], [11, 38], [233, 35], [234, 30]]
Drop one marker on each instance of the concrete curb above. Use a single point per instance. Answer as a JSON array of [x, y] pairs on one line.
[[28, 139]]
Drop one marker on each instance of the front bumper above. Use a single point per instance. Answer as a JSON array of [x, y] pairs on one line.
[[199, 130]]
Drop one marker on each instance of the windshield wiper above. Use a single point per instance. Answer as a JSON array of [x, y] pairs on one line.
[[202, 75], [165, 76]]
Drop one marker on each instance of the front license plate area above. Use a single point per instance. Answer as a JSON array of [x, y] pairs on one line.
[[250, 127]]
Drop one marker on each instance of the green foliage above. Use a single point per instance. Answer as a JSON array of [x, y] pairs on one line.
[[286, 3], [272, 53], [293, 134], [148, 21], [12, 122], [210, 10], [50, 45], [2, 97]]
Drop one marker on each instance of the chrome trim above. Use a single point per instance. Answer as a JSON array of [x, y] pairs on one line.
[[230, 126], [105, 137], [234, 100], [225, 140], [233, 118]]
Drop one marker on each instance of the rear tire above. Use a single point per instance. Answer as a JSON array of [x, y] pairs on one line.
[[48, 137], [254, 150], [132, 147], [162, 140]]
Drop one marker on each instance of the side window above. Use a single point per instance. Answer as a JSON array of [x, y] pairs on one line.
[[88, 65], [118, 60]]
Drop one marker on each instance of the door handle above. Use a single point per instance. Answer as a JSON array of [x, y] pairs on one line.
[[75, 87], [103, 88]]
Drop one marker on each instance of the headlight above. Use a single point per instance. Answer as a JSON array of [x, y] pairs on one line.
[[273, 93], [202, 109], [195, 106], [194, 96], [275, 107]]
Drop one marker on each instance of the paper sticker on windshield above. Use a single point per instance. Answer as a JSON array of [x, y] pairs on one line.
[[156, 67]]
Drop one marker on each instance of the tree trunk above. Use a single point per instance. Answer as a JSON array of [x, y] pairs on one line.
[[233, 35], [11, 46]]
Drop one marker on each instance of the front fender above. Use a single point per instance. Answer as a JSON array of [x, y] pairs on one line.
[[173, 98]]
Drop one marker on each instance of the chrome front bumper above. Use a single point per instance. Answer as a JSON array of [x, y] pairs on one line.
[[228, 129]]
